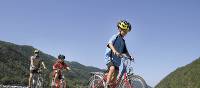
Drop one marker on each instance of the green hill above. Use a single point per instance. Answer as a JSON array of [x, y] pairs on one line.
[[15, 61], [184, 77]]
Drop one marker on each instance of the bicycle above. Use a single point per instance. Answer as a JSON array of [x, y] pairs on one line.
[[37, 80], [127, 79], [59, 83]]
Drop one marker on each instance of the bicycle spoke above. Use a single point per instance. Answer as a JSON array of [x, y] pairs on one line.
[[137, 82], [96, 82]]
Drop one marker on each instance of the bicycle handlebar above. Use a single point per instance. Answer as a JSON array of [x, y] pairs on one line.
[[127, 57]]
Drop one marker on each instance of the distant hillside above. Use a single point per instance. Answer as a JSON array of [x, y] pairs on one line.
[[184, 77], [15, 61]]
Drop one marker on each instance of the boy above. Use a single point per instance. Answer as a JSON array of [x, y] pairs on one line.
[[115, 48], [36, 61], [58, 66]]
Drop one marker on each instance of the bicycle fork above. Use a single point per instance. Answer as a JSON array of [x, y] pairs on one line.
[[126, 81]]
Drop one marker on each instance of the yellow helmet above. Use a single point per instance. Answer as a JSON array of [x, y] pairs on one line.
[[124, 25]]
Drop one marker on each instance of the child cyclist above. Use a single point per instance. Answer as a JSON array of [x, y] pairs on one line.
[[36, 61], [58, 66], [115, 48]]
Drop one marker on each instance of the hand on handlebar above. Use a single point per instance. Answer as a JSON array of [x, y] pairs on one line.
[[45, 68], [68, 68], [131, 58], [123, 55], [117, 54], [127, 56]]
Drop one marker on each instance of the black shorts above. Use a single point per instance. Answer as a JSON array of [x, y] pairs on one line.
[[34, 71], [111, 64]]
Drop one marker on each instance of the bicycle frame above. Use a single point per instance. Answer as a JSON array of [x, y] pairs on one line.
[[117, 83], [60, 83], [124, 72], [37, 80]]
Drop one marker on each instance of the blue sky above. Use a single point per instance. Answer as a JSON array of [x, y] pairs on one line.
[[165, 34]]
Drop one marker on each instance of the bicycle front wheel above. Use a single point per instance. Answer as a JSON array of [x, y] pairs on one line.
[[96, 81], [34, 81], [134, 81], [62, 83], [39, 82]]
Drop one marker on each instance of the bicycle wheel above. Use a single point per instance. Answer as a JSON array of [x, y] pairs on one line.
[[34, 81], [96, 81], [39, 82], [62, 83], [134, 81]]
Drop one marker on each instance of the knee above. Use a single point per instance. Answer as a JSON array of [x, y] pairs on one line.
[[112, 68]]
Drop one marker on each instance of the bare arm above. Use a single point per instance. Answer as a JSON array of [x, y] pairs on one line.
[[43, 65], [68, 68], [128, 54], [32, 61], [113, 49]]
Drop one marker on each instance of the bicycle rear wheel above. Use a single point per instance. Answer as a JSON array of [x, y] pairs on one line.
[[96, 81], [135, 81]]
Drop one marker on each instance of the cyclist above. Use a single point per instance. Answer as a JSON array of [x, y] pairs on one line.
[[58, 66], [115, 48], [36, 61]]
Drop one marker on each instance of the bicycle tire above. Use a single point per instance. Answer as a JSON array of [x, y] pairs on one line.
[[62, 85], [34, 81], [135, 81], [96, 81], [39, 82]]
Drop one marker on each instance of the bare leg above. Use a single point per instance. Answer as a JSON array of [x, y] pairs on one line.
[[111, 71], [30, 80], [55, 79], [65, 84], [115, 75]]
